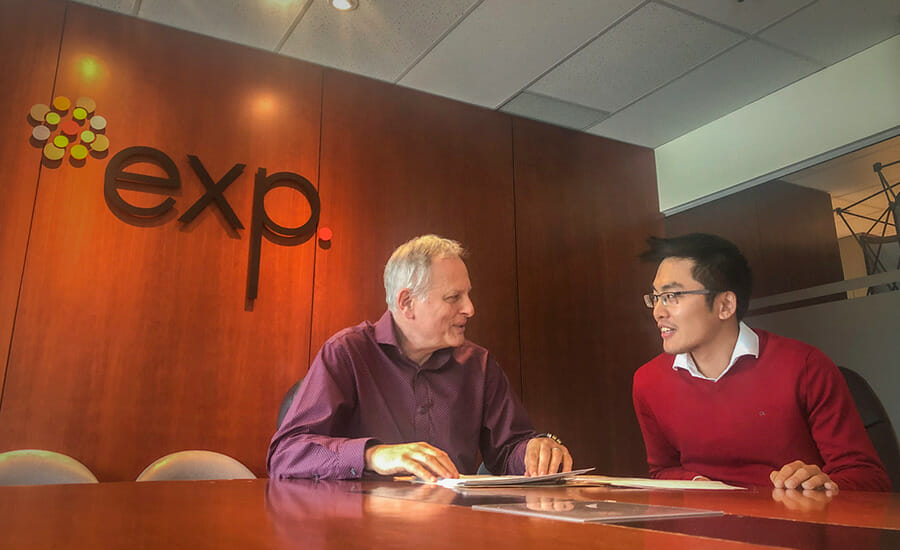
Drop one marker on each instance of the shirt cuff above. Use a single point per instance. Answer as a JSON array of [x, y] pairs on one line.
[[354, 458]]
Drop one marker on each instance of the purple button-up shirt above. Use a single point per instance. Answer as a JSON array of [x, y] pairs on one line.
[[361, 388]]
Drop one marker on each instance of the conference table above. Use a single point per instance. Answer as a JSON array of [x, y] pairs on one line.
[[265, 513]]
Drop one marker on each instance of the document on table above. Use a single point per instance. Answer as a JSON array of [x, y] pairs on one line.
[[598, 511], [509, 481], [644, 483]]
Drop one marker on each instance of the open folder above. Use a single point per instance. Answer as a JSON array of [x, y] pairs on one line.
[[509, 481]]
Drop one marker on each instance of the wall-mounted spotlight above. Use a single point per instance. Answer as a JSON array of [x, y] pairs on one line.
[[345, 5]]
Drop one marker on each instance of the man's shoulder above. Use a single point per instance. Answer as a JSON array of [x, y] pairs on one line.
[[651, 370], [773, 345], [352, 336], [469, 351]]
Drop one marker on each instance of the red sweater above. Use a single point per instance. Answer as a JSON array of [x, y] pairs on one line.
[[790, 403]]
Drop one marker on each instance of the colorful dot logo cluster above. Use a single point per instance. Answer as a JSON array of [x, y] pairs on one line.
[[79, 132]]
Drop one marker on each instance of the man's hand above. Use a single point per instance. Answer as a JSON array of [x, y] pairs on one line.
[[798, 475], [420, 459], [544, 456]]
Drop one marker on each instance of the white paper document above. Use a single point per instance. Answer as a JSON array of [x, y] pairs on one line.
[[644, 483], [509, 481]]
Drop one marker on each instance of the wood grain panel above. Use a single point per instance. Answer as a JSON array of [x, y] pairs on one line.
[[584, 208], [397, 163], [29, 39], [133, 341], [785, 231]]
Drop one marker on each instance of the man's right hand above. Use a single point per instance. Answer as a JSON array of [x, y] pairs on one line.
[[420, 459]]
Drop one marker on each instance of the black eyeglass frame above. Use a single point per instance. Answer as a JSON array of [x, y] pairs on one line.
[[651, 299]]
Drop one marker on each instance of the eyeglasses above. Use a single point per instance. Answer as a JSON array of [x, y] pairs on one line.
[[670, 298]]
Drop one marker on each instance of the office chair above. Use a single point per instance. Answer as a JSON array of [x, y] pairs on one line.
[[877, 424], [286, 402], [195, 465], [39, 467]]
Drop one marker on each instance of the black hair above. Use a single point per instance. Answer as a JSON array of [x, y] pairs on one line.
[[718, 264]]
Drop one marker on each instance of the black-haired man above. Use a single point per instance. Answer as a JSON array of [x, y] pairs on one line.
[[729, 403]]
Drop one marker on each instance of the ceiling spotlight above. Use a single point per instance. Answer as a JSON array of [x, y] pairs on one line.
[[345, 5]]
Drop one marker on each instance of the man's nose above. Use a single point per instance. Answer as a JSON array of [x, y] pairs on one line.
[[468, 308]]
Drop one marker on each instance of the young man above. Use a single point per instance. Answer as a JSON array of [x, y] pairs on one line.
[[743, 406], [409, 394]]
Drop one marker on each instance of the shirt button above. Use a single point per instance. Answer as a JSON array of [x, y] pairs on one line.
[[353, 471], [423, 409]]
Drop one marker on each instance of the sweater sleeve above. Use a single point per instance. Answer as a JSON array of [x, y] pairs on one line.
[[850, 459], [663, 458]]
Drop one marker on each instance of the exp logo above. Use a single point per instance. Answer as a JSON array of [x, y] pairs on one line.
[[79, 132]]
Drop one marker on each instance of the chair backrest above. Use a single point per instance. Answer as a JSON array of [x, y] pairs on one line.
[[877, 423], [286, 402], [195, 465], [39, 467]]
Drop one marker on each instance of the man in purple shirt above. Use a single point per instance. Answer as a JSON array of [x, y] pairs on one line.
[[409, 394]]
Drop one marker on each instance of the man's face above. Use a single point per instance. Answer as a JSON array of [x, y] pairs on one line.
[[689, 324], [441, 314]]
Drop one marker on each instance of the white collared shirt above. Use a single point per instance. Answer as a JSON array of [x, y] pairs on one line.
[[747, 344]]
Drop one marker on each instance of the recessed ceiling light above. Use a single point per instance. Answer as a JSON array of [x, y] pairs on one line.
[[345, 5]]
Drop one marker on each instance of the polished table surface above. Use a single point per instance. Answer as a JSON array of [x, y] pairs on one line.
[[378, 514]]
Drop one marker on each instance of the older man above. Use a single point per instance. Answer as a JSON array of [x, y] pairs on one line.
[[409, 394]]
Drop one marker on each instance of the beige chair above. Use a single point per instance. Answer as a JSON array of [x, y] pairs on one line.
[[195, 465], [39, 467]]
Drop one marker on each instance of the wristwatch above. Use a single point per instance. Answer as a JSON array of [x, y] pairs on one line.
[[549, 435]]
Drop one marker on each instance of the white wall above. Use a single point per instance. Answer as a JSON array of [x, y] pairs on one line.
[[842, 104]]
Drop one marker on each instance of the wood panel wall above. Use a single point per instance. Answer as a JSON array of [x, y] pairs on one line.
[[32, 30], [584, 208], [132, 339], [785, 231]]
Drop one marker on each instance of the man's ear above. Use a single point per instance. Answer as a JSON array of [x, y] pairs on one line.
[[406, 303], [726, 305]]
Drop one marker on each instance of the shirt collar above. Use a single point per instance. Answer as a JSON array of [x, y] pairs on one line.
[[385, 334], [747, 344]]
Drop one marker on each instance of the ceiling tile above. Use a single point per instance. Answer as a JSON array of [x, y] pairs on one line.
[[831, 30], [749, 17], [253, 23], [503, 45], [553, 111], [651, 47], [121, 6], [732, 80], [378, 39]]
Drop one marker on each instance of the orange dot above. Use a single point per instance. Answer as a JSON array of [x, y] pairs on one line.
[[61, 103], [69, 127], [79, 152], [325, 233]]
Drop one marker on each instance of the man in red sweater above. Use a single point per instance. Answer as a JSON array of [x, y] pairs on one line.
[[743, 406]]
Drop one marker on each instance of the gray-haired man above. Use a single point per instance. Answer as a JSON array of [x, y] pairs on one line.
[[409, 394]]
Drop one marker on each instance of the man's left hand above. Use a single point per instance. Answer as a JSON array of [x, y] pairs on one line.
[[544, 456], [798, 475]]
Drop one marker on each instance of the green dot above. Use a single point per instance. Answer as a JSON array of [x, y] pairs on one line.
[[79, 152], [87, 136], [79, 113], [61, 141], [52, 118]]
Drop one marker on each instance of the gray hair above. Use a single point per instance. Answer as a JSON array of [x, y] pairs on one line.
[[410, 265]]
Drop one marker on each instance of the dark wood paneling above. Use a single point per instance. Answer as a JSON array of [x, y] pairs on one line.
[[397, 163], [786, 232], [29, 39], [584, 208], [134, 341]]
